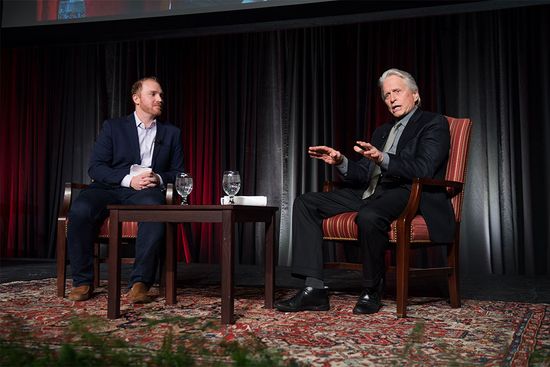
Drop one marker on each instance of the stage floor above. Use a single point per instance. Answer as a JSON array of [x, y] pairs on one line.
[[491, 287]]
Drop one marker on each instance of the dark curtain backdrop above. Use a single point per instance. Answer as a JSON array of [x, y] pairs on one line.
[[255, 101]]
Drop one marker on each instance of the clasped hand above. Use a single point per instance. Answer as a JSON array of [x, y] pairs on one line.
[[144, 180], [332, 156]]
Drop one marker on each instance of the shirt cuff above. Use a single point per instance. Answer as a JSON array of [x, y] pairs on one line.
[[385, 161], [126, 181], [343, 166]]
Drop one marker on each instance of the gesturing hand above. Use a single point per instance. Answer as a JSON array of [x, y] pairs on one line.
[[326, 154], [369, 151]]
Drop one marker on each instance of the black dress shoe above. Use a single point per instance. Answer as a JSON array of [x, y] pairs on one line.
[[369, 302], [308, 299]]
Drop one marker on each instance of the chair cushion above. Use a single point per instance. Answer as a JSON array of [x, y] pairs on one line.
[[342, 227], [129, 229]]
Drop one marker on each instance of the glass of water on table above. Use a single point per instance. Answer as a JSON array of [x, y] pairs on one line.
[[184, 186]]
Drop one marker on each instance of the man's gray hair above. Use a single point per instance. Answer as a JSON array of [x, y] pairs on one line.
[[408, 78]]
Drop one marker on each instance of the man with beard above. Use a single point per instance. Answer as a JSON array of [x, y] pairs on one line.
[[134, 157]]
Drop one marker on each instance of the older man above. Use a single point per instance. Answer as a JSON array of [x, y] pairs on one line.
[[132, 159], [415, 144]]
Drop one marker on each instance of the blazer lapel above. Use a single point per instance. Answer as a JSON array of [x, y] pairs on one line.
[[159, 140], [380, 140], [133, 138], [410, 130]]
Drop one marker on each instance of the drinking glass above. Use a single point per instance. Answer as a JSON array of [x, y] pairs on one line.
[[231, 184], [184, 186]]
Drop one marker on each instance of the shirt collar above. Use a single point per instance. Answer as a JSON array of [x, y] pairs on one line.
[[140, 123], [405, 119]]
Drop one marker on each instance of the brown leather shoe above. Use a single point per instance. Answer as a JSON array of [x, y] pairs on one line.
[[81, 293], [138, 293]]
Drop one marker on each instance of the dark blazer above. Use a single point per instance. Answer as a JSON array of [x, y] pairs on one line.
[[117, 148], [422, 151]]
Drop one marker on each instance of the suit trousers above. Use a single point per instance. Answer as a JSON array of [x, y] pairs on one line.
[[374, 218], [87, 214]]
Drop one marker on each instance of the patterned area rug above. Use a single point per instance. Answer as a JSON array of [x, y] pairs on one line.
[[481, 333]]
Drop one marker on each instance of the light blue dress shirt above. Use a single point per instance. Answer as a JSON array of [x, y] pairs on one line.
[[146, 137]]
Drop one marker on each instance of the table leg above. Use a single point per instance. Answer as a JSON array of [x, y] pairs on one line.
[[227, 266], [113, 293], [170, 265], [61, 258], [269, 268]]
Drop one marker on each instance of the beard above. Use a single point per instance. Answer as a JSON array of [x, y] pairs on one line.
[[155, 110]]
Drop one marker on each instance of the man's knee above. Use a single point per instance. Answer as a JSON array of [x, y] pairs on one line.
[[82, 209], [149, 197], [369, 220], [305, 200]]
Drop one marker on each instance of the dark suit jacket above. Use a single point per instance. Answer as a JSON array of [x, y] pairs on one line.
[[117, 148], [422, 151]]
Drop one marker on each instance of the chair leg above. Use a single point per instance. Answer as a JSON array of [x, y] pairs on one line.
[[97, 263], [452, 258], [61, 258], [402, 277]]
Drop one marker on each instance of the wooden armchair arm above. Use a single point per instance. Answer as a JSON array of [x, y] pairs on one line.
[[411, 209], [67, 198], [170, 194], [453, 187]]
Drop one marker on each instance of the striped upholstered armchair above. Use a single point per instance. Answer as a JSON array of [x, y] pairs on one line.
[[409, 230]]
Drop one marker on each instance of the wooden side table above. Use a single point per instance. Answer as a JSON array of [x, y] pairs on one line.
[[227, 215]]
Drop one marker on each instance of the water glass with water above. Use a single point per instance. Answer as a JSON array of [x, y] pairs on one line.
[[184, 186], [231, 184]]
